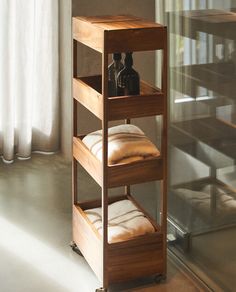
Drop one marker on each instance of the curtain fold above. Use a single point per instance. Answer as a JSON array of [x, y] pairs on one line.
[[29, 69]]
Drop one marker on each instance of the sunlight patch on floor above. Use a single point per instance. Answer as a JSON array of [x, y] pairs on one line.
[[43, 258]]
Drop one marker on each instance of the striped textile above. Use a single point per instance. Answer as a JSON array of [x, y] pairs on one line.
[[126, 143], [125, 221]]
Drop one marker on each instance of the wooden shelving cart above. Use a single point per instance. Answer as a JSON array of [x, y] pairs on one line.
[[142, 255]]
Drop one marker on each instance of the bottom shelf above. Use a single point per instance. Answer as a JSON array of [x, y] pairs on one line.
[[140, 256]]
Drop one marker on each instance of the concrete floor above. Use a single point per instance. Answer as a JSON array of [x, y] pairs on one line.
[[35, 231]]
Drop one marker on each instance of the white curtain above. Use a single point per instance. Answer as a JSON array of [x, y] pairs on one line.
[[29, 97]]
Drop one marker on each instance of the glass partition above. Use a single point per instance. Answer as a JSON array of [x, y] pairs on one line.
[[202, 136]]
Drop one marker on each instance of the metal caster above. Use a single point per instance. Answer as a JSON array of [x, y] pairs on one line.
[[158, 278], [75, 248], [101, 290]]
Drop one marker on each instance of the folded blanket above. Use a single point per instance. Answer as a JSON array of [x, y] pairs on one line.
[[126, 143], [125, 221], [225, 201]]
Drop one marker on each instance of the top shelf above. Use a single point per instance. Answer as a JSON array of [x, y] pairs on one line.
[[124, 33]]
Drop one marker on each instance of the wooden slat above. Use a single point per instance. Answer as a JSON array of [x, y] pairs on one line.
[[89, 162], [88, 34], [135, 106], [135, 172], [87, 95], [139, 257], [108, 18], [88, 240], [131, 40], [119, 22]]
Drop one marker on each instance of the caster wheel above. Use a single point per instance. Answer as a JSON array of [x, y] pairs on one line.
[[101, 290], [159, 278], [75, 248]]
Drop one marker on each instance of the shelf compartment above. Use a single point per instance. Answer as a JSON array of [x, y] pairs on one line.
[[137, 257], [87, 90], [118, 174], [124, 33]]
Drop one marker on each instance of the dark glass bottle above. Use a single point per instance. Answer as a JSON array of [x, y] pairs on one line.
[[128, 82], [113, 70]]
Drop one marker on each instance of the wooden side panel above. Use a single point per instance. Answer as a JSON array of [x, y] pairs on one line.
[[88, 34], [136, 172], [139, 257], [87, 241], [131, 40], [87, 96], [135, 106], [90, 163]]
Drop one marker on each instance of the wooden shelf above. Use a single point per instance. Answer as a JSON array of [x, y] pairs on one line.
[[118, 174], [87, 90], [124, 33], [138, 257]]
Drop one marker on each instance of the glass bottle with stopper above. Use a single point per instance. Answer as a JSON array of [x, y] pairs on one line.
[[113, 69], [128, 81]]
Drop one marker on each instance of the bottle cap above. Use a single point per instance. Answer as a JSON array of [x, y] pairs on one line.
[[117, 56]]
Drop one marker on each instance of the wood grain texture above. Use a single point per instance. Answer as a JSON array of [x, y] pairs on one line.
[[138, 39], [135, 172], [88, 34], [124, 33], [88, 240], [108, 18], [135, 106], [138, 257], [88, 96], [89, 162]]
